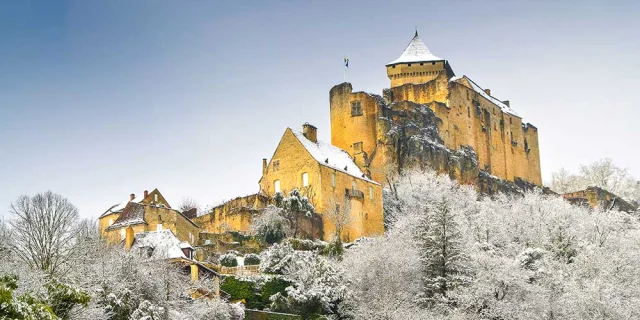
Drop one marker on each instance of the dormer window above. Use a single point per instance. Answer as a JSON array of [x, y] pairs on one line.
[[356, 108]]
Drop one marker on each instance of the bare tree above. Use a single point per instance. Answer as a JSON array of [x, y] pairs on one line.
[[43, 230], [339, 214], [5, 239], [188, 204], [602, 173]]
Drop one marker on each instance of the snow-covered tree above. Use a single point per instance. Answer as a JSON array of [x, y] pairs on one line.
[[271, 224], [295, 207], [43, 229], [444, 262]]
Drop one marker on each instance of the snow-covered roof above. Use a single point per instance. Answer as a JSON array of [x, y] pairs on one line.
[[505, 108], [331, 156], [416, 51], [185, 245], [158, 245], [133, 213], [120, 206]]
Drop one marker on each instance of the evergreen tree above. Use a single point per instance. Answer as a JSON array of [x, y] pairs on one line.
[[441, 254]]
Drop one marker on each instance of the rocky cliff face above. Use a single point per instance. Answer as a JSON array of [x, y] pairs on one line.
[[409, 134]]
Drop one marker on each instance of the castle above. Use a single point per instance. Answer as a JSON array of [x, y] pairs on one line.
[[428, 107], [429, 117]]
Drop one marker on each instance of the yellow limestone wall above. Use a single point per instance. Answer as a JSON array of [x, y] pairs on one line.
[[498, 138], [235, 215], [294, 160]]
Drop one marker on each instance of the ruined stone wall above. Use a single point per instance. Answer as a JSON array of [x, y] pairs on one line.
[[235, 215], [598, 197]]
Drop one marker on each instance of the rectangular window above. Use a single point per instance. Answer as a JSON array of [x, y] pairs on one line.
[[356, 108], [276, 165], [333, 179], [305, 179], [155, 197], [357, 147], [370, 192], [159, 227], [276, 186]]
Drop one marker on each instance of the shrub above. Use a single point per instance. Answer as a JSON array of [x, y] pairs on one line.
[[333, 249], [251, 259], [240, 289], [306, 244], [228, 260], [273, 286]]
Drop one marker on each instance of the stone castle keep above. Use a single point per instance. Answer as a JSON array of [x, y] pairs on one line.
[[431, 117]]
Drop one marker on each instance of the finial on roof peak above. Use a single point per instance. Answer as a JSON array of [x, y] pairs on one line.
[[416, 35]]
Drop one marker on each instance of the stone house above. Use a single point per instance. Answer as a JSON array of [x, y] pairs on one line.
[[151, 212]]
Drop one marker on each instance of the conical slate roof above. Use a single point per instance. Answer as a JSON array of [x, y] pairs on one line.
[[416, 51]]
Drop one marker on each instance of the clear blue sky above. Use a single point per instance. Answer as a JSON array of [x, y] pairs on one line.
[[100, 99]]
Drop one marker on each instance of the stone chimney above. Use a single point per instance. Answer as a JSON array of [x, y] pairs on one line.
[[487, 91], [131, 197], [507, 103], [146, 194], [310, 132], [128, 238], [264, 166]]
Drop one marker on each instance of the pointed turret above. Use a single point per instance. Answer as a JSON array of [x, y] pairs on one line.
[[416, 51], [416, 65]]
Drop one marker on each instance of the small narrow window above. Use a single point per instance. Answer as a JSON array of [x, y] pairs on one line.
[[159, 227], [155, 197], [353, 185], [366, 216], [408, 64], [110, 221], [333, 179], [370, 192], [421, 63], [305, 179], [357, 147], [276, 186], [276, 165], [356, 108]]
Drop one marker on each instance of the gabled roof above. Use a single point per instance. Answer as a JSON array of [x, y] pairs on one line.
[[416, 51], [132, 214], [158, 245], [467, 82], [117, 208], [331, 156]]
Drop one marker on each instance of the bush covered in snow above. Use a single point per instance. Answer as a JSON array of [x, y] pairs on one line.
[[251, 259], [228, 260]]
